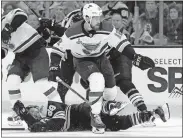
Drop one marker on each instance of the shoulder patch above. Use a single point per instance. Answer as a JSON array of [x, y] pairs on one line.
[[75, 29]]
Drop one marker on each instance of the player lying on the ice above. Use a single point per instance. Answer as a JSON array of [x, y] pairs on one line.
[[55, 116]]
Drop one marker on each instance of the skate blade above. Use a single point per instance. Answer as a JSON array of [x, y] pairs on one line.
[[15, 123], [166, 110], [98, 130], [149, 124]]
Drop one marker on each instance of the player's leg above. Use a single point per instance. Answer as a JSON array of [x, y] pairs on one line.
[[39, 66], [123, 72], [88, 70], [110, 91], [66, 74], [16, 74], [80, 117], [123, 68], [123, 122]]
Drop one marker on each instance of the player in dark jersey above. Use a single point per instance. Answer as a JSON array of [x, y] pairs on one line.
[[56, 116]]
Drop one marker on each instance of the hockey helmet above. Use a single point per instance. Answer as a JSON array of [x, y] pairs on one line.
[[90, 10]]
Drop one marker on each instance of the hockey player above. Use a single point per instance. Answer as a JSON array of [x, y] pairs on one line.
[[55, 116], [88, 41], [122, 65], [30, 56]]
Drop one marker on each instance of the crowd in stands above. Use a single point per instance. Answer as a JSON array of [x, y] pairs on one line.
[[146, 23]]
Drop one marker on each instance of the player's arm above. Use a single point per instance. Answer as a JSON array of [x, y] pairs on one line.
[[11, 22], [124, 47], [53, 26], [52, 124], [58, 52], [15, 19]]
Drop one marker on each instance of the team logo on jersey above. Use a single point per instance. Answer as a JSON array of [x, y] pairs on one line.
[[89, 46], [86, 52]]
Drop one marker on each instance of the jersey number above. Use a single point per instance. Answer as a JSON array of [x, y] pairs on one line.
[[51, 108]]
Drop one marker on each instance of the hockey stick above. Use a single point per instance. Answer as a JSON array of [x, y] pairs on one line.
[[39, 18], [74, 91], [70, 88]]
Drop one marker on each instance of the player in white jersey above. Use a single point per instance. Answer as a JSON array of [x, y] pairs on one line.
[[30, 56], [122, 66], [88, 41]]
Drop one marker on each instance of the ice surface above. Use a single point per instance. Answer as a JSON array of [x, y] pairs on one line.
[[171, 128]]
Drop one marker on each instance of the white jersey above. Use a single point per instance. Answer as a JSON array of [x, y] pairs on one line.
[[23, 37], [83, 44]]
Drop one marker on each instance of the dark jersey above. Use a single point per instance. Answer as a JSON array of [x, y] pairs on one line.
[[62, 117], [58, 113]]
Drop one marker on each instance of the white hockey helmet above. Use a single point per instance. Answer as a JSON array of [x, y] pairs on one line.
[[90, 10]]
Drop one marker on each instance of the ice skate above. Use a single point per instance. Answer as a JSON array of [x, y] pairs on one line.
[[149, 123], [163, 112], [98, 127], [14, 120]]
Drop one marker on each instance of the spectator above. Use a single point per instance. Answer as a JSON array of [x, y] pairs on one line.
[[69, 6], [117, 22], [174, 25], [149, 23], [57, 14], [36, 6], [35, 23], [116, 5], [8, 7]]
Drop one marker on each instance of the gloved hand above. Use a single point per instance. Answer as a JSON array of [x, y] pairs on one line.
[[47, 23], [20, 109], [54, 72], [23, 113], [143, 62], [6, 33], [38, 127]]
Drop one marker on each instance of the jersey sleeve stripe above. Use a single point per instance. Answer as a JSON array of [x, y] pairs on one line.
[[122, 45], [27, 43], [60, 114], [77, 36], [57, 51]]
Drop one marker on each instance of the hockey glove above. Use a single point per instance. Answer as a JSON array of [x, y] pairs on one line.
[[143, 62], [38, 127], [47, 23], [21, 111], [54, 72], [6, 33]]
